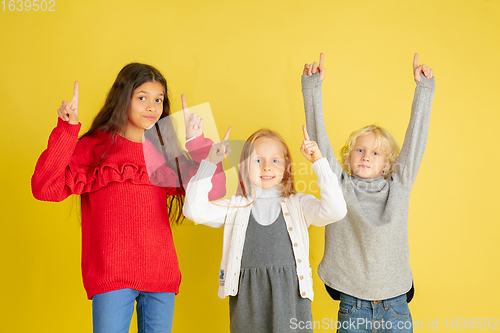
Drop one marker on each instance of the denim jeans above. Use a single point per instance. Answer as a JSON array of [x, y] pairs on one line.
[[390, 315], [112, 311]]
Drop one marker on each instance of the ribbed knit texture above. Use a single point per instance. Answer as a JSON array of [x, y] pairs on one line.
[[300, 211], [367, 253], [267, 205], [126, 237]]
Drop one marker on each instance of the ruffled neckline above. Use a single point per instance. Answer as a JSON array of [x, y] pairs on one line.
[[115, 168]]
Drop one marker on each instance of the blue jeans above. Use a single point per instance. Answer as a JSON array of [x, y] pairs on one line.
[[112, 311], [390, 315]]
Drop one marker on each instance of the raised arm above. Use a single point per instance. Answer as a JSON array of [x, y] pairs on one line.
[[198, 147], [197, 206], [416, 134], [312, 78], [55, 177], [332, 206]]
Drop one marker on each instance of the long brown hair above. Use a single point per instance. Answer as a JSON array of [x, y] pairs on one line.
[[113, 118], [245, 185]]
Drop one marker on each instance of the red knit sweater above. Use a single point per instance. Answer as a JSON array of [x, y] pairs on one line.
[[126, 237]]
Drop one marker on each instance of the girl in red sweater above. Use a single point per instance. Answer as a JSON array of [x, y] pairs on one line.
[[128, 252]]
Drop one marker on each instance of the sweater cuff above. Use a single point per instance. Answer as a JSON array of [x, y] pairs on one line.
[[195, 143], [322, 169], [206, 169], [311, 81], [426, 83], [194, 137], [68, 128]]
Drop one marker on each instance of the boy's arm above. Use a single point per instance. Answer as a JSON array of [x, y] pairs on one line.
[[413, 148], [313, 106]]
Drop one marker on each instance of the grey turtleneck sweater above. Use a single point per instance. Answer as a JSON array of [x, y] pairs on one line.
[[367, 253]]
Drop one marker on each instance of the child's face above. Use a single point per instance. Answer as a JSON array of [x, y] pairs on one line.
[[146, 107], [367, 161], [267, 163]]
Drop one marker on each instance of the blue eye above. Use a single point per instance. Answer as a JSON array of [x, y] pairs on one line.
[[360, 150], [258, 160], [375, 153], [276, 161]]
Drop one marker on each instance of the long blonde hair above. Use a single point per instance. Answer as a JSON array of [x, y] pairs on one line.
[[245, 187], [383, 140]]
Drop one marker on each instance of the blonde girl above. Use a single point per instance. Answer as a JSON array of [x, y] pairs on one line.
[[265, 261]]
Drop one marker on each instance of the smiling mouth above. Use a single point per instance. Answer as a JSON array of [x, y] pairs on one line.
[[266, 177]]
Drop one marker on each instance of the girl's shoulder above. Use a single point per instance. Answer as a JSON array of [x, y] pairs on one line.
[[90, 145], [91, 140]]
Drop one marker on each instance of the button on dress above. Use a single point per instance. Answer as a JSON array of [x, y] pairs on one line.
[[268, 299]]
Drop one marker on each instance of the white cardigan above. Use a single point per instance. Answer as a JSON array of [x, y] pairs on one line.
[[299, 211]]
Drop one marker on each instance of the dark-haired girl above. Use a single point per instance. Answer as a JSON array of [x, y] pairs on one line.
[[127, 205]]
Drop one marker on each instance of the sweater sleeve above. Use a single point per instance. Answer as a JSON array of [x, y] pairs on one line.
[[197, 206], [415, 141], [164, 176], [54, 178], [313, 106], [332, 206], [198, 150]]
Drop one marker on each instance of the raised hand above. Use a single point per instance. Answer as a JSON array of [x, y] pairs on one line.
[[310, 69], [193, 123], [309, 148], [421, 69], [220, 150], [69, 111]]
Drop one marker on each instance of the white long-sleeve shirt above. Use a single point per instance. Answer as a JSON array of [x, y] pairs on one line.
[[299, 211]]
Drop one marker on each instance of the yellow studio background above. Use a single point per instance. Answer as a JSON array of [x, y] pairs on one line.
[[245, 58]]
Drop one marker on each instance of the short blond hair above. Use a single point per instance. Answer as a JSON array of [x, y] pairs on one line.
[[383, 140]]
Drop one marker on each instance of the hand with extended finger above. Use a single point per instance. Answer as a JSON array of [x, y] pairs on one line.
[[309, 148], [310, 69], [69, 111], [220, 150], [421, 69], [193, 123]]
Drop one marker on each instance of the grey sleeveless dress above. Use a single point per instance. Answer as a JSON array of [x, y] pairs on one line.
[[268, 299]]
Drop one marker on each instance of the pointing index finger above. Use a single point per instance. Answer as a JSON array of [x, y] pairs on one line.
[[306, 135], [74, 101], [321, 60], [185, 110], [226, 136], [415, 61]]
